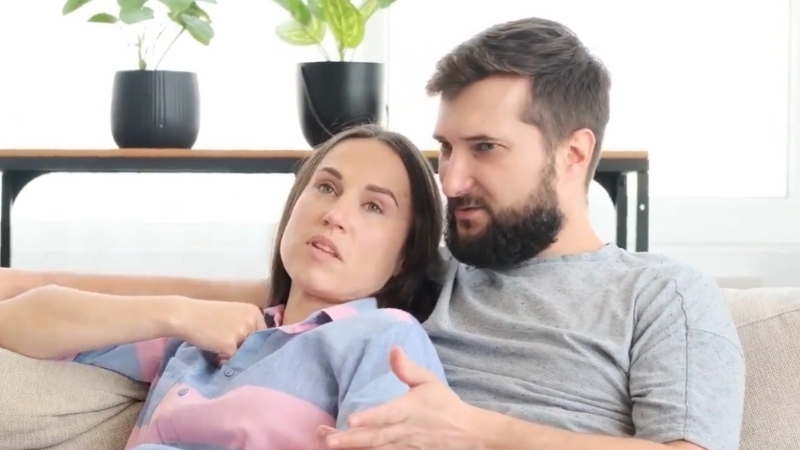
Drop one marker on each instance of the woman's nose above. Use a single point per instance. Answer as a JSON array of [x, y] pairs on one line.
[[336, 216]]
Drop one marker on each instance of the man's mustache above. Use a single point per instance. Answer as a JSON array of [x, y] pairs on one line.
[[465, 201]]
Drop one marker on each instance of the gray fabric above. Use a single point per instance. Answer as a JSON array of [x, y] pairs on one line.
[[607, 342]]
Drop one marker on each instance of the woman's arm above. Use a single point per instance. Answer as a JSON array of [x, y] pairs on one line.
[[53, 322], [14, 282]]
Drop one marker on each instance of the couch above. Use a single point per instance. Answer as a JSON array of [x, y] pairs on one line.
[[47, 404]]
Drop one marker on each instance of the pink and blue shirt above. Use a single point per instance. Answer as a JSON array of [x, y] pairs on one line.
[[279, 386]]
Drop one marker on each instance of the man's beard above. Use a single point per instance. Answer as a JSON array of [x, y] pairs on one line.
[[512, 236]]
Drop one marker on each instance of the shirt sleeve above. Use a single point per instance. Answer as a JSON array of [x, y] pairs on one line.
[[366, 378], [141, 361], [687, 374]]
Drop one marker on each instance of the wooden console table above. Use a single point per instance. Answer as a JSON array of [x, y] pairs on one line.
[[20, 167]]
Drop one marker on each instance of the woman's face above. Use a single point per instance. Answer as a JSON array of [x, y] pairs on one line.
[[345, 235]]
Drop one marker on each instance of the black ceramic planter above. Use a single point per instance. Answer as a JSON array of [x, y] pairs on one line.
[[155, 109], [333, 96]]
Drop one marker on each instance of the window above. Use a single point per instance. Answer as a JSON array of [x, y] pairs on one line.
[[703, 86], [56, 93]]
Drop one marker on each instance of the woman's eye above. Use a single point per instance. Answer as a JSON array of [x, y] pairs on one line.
[[373, 207], [325, 188]]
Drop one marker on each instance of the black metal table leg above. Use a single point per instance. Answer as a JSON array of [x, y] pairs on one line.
[[642, 211], [13, 183], [615, 183]]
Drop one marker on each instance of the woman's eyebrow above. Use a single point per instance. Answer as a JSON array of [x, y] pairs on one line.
[[384, 191], [332, 171], [370, 187]]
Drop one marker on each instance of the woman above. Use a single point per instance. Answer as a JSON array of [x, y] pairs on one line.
[[350, 280]]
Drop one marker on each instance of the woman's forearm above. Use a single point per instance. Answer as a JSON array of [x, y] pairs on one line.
[[52, 322], [14, 282]]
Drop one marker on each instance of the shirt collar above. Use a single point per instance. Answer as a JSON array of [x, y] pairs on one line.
[[274, 314]]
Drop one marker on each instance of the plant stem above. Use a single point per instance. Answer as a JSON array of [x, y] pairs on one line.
[[324, 52], [319, 44], [124, 37], [151, 49], [169, 47], [341, 52], [142, 61], [160, 32]]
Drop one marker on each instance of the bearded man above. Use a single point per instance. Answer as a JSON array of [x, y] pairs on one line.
[[551, 339]]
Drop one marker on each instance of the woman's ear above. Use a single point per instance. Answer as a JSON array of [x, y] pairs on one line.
[[398, 268]]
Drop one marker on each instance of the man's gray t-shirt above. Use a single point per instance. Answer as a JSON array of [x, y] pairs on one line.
[[607, 342]]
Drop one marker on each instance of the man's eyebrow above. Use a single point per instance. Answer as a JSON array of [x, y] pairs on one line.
[[473, 138], [479, 138]]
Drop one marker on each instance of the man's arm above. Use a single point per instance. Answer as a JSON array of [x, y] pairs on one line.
[[686, 379], [14, 282], [500, 432]]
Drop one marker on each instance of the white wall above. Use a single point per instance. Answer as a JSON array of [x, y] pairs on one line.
[[56, 92]]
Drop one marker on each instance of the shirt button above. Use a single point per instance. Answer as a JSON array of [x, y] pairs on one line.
[[229, 372], [183, 391]]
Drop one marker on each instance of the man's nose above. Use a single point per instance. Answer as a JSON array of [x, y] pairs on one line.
[[455, 175]]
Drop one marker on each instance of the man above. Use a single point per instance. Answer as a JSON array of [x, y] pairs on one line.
[[550, 339]]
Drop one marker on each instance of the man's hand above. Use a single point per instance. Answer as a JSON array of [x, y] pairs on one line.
[[218, 327], [432, 417], [429, 416]]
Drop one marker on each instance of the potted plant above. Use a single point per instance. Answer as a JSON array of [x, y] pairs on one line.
[[152, 108], [336, 93]]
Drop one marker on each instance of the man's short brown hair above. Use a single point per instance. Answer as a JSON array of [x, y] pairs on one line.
[[569, 87]]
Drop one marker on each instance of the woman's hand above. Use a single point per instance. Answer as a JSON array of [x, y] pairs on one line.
[[218, 327]]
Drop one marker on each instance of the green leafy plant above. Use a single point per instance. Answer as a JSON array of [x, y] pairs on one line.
[[183, 16], [311, 19]]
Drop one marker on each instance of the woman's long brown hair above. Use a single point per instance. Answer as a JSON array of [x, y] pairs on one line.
[[414, 288]]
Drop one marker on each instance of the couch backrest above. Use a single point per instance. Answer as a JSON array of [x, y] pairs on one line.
[[768, 320], [101, 406]]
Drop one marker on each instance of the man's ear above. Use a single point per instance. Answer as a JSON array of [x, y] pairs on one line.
[[580, 148]]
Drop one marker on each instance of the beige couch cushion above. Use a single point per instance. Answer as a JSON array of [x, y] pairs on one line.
[[65, 406], [768, 320], [59, 405]]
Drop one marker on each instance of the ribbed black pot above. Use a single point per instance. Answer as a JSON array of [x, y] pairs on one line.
[[155, 109], [334, 96]]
